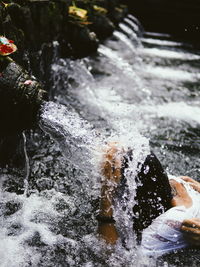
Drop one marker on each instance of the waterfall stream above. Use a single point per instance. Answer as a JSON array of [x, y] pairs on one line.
[[142, 92]]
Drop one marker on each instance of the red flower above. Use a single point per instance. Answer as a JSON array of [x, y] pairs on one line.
[[11, 41], [5, 49]]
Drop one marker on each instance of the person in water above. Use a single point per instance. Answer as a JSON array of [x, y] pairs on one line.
[[191, 227], [163, 206]]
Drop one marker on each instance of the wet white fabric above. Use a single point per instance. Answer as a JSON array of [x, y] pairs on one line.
[[164, 234]]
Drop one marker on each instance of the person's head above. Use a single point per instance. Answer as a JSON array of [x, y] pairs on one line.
[[153, 194]]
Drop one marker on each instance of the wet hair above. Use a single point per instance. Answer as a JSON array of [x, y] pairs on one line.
[[153, 193]]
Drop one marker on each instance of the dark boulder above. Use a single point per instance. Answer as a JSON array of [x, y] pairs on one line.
[[101, 25], [82, 40], [21, 97]]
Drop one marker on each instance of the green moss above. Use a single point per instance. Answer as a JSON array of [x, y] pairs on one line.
[[100, 10]]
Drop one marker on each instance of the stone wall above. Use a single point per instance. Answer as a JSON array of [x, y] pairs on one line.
[[33, 23], [35, 26]]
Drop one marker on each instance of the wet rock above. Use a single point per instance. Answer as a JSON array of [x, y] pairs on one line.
[[34, 23], [102, 26], [11, 207], [82, 40], [44, 184], [15, 229], [49, 19], [118, 13], [14, 182], [34, 26], [10, 150], [61, 205], [21, 97], [35, 241]]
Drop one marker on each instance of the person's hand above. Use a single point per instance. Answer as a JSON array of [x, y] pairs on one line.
[[191, 231], [194, 184], [191, 227]]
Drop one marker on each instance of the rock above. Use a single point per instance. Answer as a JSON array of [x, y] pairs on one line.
[[21, 97], [82, 40], [101, 25], [44, 184], [33, 23], [11, 207], [118, 13]]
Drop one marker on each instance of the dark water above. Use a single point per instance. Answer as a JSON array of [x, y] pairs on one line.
[[141, 91]]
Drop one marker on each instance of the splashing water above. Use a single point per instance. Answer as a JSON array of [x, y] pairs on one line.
[[161, 42], [169, 54], [27, 167], [75, 136], [83, 147], [124, 39], [134, 26], [123, 91]]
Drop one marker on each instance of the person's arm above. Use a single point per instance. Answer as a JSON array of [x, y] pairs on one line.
[[111, 170], [191, 227], [180, 194], [164, 234], [191, 231], [192, 182]]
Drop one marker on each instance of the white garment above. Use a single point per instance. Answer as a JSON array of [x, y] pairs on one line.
[[164, 234]]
